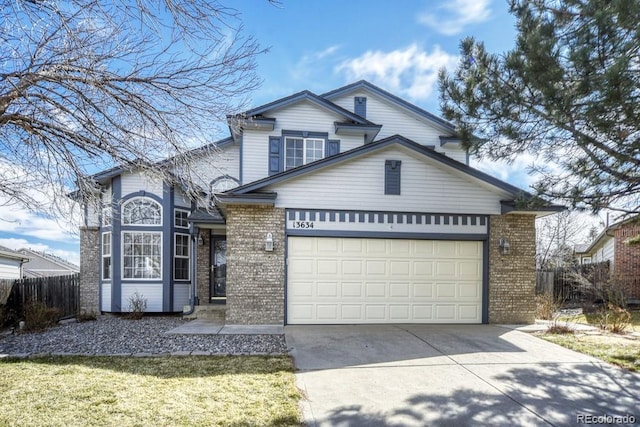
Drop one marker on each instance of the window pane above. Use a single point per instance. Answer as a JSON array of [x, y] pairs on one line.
[[142, 255], [315, 150], [180, 219], [141, 211], [294, 152]]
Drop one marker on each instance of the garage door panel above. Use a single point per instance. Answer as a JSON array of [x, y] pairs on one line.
[[327, 289], [352, 312], [399, 290], [400, 313], [445, 290], [327, 312], [329, 267], [352, 289], [376, 312], [468, 290], [383, 280], [424, 290], [303, 289], [375, 290], [400, 268], [352, 267]]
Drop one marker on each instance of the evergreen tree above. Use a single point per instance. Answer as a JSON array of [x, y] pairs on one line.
[[568, 92]]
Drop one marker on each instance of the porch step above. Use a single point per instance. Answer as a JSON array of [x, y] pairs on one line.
[[209, 312]]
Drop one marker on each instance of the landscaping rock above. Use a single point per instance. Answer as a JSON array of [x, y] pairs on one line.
[[110, 335]]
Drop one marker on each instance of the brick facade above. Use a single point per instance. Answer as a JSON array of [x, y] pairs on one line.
[[203, 267], [255, 277], [89, 270], [512, 276], [626, 268]]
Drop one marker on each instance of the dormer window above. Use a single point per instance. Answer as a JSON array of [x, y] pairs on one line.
[[300, 151]]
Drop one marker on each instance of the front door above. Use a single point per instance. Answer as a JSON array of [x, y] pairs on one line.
[[218, 285]]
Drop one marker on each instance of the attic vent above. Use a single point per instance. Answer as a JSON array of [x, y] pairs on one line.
[[392, 176], [360, 106]]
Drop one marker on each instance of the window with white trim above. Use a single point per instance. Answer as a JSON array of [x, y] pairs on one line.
[[106, 256], [180, 218], [300, 151], [141, 211], [141, 255], [181, 257]]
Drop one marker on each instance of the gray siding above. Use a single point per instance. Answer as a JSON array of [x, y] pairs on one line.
[[303, 116], [9, 268], [180, 296], [224, 161], [105, 296], [152, 292], [427, 186], [135, 181], [397, 121]]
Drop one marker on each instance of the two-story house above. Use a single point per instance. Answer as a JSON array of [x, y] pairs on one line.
[[354, 206]]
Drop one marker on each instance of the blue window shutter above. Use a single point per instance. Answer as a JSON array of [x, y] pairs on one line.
[[360, 106], [392, 176], [332, 147], [275, 155]]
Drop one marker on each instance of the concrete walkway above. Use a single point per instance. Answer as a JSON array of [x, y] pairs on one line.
[[211, 327], [416, 375]]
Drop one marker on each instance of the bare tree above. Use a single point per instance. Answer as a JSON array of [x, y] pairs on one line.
[[556, 237], [89, 84]]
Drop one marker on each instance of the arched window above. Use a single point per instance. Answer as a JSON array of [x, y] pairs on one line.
[[141, 211], [223, 183]]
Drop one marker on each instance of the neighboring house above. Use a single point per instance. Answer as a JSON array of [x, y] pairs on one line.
[[11, 264], [611, 245], [46, 265], [354, 206]]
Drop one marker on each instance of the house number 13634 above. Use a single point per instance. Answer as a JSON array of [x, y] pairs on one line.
[[302, 224]]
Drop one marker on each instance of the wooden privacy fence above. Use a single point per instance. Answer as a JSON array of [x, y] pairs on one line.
[[61, 292], [561, 281]]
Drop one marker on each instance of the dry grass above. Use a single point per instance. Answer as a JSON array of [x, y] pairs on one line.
[[164, 391], [610, 348]]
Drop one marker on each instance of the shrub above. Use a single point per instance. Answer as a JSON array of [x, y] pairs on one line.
[[137, 306], [547, 306], [559, 329], [38, 316]]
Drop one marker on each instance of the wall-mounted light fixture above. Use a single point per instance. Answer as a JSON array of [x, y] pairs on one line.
[[504, 246], [200, 239], [268, 243]]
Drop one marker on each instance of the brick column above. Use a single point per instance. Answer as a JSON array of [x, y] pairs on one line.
[[626, 261], [90, 260], [255, 277], [512, 276], [203, 267]]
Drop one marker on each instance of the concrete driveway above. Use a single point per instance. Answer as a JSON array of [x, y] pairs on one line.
[[417, 375]]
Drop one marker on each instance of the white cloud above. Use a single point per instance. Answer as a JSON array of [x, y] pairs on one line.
[[309, 63], [410, 72], [455, 15]]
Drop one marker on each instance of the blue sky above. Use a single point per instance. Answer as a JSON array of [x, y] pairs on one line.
[[322, 45]]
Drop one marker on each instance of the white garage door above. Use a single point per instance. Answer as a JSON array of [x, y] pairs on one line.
[[347, 280]]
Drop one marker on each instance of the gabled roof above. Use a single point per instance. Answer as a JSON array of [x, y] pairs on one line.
[[256, 186], [305, 95], [363, 84], [11, 254], [108, 174], [604, 235]]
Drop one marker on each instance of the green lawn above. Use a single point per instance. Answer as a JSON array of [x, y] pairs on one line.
[[162, 391]]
